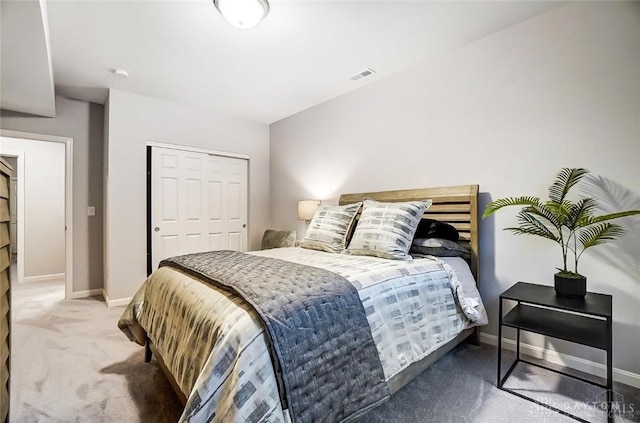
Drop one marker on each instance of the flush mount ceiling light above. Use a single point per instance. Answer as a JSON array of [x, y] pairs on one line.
[[243, 13], [121, 72]]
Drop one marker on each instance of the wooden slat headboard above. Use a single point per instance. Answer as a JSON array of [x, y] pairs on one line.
[[456, 205]]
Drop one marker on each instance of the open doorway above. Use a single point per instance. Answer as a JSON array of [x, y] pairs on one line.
[[42, 187]]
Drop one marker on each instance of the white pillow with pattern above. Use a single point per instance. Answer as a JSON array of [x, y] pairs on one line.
[[386, 229], [330, 228]]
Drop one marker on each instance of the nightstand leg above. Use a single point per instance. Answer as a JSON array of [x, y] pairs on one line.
[[609, 369], [499, 340], [518, 345], [518, 342]]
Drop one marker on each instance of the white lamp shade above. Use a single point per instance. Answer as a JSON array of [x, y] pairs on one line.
[[243, 13], [306, 209]]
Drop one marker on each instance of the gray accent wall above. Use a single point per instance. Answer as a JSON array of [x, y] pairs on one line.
[[83, 122], [505, 112]]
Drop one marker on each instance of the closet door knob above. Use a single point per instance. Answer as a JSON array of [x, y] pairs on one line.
[[156, 229]]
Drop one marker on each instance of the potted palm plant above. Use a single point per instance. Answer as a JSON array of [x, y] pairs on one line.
[[572, 225]]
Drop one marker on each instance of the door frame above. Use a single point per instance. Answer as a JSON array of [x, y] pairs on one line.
[[68, 202], [149, 146], [197, 150]]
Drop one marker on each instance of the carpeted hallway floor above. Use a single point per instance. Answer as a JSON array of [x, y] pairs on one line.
[[70, 363]]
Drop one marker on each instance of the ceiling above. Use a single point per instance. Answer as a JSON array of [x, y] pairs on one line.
[[26, 75], [302, 54]]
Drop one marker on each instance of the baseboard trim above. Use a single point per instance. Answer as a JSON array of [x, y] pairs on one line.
[[577, 363], [116, 302], [42, 278], [88, 293]]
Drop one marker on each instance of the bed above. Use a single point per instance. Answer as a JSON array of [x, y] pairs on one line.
[[223, 355]]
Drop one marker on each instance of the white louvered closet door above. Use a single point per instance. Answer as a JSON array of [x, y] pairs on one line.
[[199, 203]]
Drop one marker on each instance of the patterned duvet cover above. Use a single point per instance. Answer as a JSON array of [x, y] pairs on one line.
[[215, 345]]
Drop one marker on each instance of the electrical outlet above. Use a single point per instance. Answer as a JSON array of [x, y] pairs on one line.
[[91, 211]]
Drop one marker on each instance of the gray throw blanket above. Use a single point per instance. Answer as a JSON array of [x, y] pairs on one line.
[[326, 362]]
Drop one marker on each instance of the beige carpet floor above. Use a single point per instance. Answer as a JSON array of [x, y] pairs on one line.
[[70, 363]]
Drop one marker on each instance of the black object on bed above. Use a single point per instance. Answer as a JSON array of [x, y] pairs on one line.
[[429, 228]]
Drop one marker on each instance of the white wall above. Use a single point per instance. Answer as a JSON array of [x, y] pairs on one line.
[[44, 243], [505, 112], [83, 122], [133, 120]]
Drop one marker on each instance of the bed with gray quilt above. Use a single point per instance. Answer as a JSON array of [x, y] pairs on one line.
[[295, 357]]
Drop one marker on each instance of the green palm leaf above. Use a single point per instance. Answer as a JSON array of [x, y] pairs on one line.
[[591, 220], [530, 225], [525, 231], [600, 234], [565, 179], [549, 213], [562, 211], [511, 201], [580, 211]]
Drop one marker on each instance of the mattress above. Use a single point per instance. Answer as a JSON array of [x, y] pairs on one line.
[[214, 344]]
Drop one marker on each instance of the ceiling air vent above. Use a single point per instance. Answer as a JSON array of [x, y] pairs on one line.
[[362, 74]]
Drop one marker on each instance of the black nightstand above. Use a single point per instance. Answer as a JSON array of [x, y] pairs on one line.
[[539, 310]]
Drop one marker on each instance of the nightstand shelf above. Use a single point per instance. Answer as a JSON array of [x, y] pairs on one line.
[[570, 327], [585, 321]]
